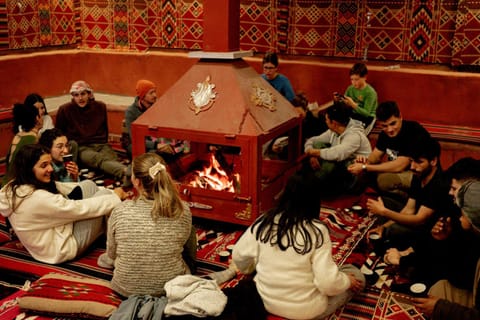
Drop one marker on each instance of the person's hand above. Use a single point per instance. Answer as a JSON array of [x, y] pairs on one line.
[[165, 148], [442, 228], [311, 152], [72, 169], [361, 159], [376, 206], [426, 305], [355, 168], [349, 102], [120, 193], [301, 112], [355, 284], [314, 163], [378, 230], [392, 256]]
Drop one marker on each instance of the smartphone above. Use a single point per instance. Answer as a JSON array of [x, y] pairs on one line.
[[338, 95]]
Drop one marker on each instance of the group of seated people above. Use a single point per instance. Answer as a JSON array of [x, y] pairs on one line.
[[426, 227], [150, 239]]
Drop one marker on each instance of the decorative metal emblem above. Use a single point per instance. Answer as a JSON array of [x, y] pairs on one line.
[[245, 214], [263, 97], [202, 98]]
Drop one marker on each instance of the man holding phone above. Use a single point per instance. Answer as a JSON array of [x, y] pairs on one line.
[[360, 96]]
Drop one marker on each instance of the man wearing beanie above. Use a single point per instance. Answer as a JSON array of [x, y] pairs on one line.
[[145, 98], [446, 301], [84, 120]]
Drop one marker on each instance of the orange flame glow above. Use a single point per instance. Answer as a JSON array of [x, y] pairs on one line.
[[213, 177]]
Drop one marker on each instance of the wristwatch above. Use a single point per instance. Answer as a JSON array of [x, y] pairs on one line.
[[364, 167]]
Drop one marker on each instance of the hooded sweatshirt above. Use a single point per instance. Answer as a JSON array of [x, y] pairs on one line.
[[346, 146], [43, 221]]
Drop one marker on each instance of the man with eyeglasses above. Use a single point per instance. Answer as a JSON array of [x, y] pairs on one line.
[[275, 79], [84, 120], [395, 142]]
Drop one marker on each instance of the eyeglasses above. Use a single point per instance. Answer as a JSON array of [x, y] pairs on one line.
[[61, 146], [269, 68]]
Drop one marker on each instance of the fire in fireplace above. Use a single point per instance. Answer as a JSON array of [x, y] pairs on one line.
[[213, 176], [227, 113]]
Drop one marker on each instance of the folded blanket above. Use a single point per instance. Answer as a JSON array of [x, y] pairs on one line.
[[193, 295]]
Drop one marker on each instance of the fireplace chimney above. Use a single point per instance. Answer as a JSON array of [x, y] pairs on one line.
[[221, 31], [221, 25]]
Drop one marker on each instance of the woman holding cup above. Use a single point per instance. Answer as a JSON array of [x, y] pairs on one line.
[[65, 168]]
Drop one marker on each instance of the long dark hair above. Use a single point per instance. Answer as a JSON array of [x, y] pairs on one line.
[[25, 159], [33, 98], [296, 215], [25, 116]]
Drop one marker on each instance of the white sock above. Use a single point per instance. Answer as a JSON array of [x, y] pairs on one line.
[[104, 261]]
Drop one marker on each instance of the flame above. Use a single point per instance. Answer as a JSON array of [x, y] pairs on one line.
[[213, 177]]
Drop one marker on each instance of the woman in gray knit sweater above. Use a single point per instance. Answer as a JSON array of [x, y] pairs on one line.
[[146, 236]]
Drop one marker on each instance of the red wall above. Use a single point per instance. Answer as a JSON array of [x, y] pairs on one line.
[[444, 97]]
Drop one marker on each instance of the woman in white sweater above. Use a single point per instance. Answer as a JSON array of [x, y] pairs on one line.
[[291, 252], [53, 228]]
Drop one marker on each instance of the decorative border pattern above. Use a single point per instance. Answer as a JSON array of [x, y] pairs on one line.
[[418, 31]]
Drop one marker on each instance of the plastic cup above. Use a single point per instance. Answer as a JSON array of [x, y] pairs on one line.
[[357, 209], [375, 242], [224, 255], [67, 158], [418, 290], [371, 277]]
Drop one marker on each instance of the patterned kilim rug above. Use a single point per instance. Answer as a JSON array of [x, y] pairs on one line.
[[347, 231]]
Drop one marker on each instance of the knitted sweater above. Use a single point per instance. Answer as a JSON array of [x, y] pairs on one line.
[[146, 254]]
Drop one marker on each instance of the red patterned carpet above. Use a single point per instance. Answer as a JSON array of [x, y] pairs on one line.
[[347, 231]]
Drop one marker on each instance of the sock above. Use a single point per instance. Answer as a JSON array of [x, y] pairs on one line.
[[223, 276], [104, 261]]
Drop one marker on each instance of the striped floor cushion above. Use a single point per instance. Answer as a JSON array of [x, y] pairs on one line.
[[15, 258]]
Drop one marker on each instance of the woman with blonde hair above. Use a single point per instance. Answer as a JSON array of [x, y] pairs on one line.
[[146, 236]]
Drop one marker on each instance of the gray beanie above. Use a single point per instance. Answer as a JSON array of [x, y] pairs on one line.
[[468, 199]]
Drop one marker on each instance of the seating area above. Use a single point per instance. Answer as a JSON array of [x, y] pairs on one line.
[[420, 93]]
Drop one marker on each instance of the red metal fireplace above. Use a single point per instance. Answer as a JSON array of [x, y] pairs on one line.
[[227, 113]]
